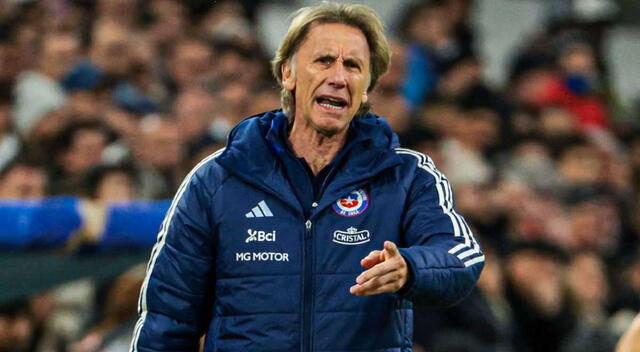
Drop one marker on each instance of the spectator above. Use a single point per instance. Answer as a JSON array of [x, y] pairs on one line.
[[195, 110], [158, 156], [23, 179], [464, 151], [112, 183], [536, 294], [79, 148], [39, 92], [189, 60]]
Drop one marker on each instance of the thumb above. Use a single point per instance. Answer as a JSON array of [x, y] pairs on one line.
[[390, 249]]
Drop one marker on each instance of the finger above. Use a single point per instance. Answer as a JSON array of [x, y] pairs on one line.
[[390, 249], [372, 259], [377, 270], [394, 276], [362, 292], [388, 283]]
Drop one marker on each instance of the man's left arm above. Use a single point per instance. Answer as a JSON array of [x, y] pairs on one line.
[[441, 261]]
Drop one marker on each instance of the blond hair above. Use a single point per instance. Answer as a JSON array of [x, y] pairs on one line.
[[358, 16]]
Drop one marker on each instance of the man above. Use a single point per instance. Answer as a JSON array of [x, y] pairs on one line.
[[39, 92], [263, 245]]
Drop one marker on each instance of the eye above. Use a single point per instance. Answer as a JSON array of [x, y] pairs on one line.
[[325, 60], [352, 64]]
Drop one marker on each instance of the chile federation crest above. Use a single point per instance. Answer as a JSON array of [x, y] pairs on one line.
[[354, 204]]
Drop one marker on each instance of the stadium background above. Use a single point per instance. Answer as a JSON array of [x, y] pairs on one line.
[[530, 107]]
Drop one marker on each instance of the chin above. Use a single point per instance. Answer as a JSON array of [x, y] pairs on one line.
[[329, 126]]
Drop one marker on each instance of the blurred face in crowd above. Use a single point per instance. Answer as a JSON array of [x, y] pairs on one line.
[[110, 48], [458, 10], [472, 201], [116, 186], [27, 41], [389, 103], [231, 65], [441, 118], [23, 181], [191, 59], [85, 151], [532, 86], [59, 53], [537, 277], [162, 145], [170, 18], [557, 122], [478, 128], [431, 26], [578, 59], [235, 95], [122, 11], [194, 109], [580, 165], [594, 225], [460, 78], [329, 75], [588, 281]]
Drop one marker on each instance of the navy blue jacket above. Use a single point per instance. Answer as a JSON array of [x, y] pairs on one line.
[[237, 260]]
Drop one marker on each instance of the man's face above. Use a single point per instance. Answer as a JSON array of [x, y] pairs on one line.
[[329, 76], [23, 182], [85, 151]]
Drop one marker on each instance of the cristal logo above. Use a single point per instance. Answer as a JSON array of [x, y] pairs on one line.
[[260, 236], [351, 237]]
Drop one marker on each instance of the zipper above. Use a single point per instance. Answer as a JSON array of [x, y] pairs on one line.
[[307, 291]]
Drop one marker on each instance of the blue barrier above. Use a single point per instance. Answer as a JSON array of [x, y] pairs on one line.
[[52, 222]]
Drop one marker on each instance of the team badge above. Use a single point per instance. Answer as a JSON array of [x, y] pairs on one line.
[[354, 204]]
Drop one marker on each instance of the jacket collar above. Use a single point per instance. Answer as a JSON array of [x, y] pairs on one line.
[[252, 144]]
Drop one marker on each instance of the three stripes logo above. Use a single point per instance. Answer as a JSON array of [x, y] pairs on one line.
[[260, 211]]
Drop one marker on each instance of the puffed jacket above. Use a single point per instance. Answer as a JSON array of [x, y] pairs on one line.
[[237, 260]]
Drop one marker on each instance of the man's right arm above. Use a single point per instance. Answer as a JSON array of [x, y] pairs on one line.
[[177, 294]]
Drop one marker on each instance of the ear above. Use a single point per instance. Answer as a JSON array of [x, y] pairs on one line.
[[288, 78], [365, 97]]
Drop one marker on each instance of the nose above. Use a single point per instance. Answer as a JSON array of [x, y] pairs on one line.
[[338, 76]]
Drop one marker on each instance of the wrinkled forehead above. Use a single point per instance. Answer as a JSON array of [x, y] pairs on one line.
[[333, 38]]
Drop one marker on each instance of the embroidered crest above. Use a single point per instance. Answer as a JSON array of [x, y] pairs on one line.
[[354, 204]]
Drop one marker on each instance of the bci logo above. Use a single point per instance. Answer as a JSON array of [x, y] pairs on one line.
[[260, 236]]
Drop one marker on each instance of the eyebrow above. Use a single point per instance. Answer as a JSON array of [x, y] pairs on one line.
[[327, 55]]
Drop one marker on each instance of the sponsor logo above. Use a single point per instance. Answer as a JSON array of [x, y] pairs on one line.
[[351, 237], [260, 236], [354, 204], [260, 211], [262, 257]]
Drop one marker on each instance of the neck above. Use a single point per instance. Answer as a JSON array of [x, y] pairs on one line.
[[316, 148]]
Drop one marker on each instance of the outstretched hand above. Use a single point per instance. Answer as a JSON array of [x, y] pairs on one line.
[[387, 272]]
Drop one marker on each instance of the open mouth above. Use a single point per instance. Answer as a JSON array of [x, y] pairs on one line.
[[331, 103]]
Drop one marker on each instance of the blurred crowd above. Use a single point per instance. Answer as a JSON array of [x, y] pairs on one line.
[[116, 100]]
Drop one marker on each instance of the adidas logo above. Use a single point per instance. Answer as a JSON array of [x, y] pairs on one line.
[[260, 211]]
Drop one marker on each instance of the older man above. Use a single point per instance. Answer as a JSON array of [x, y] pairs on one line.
[[264, 244]]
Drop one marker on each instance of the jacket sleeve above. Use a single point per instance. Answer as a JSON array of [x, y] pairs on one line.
[[443, 257], [177, 294]]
